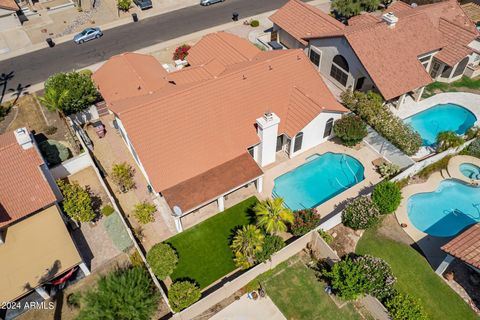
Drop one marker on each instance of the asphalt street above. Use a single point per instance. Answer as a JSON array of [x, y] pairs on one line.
[[35, 67]]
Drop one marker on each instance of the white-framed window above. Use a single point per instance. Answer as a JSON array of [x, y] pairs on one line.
[[339, 70], [315, 57]]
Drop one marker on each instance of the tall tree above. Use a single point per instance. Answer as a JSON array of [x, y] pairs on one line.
[[272, 215], [346, 8], [247, 242]]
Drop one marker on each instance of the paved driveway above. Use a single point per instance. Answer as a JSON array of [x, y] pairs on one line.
[[246, 309]]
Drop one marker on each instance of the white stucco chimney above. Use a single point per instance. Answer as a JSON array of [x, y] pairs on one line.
[[267, 131], [390, 19], [24, 139]]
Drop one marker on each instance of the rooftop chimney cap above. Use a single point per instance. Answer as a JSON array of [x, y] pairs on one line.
[[268, 116], [390, 19], [414, 5], [23, 137]]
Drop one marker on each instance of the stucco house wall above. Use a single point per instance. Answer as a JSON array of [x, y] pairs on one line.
[[286, 39], [329, 48]]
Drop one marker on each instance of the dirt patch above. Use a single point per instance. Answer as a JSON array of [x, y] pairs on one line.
[[344, 239], [390, 229]]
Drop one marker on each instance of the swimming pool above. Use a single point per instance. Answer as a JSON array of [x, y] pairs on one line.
[[470, 170], [321, 178], [442, 117], [446, 211]]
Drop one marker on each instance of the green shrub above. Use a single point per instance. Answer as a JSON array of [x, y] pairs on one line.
[[76, 203], [271, 244], [54, 152], [49, 130], [107, 210], [474, 148], [388, 169], [472, 132], [162, 259], [5, 109], [447, 140], [144, 211], [122, 294], [403, 183], [347, 279], [434, 167], [74, 299], [254, 23], [183, 294], [387, 196], [327, 237], [304, 221], [124, 5], [378, 275], [403, 307], [350, 129], [136, 260], [361, 213], [122, 176], [369, 106]]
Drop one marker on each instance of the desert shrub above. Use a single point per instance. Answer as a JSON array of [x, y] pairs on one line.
[[107, 210], [387, 196], [369, 106], [5, 109], [474, 148], [144, 211], [54, 152], [327, 237], [136, 260], [271, 244], [124, 5], [122, 176], [434, 167], [74, 299], [361, 213], [403, 183], [183, 294], [76, 203], [347, 279], [403, 307], [472, 132], [350, 129], [388, 169], [378, 274], [181, 52], [122, 294], [254, 23], [163, 260], [49, 130], [447, 140], [304, 221]]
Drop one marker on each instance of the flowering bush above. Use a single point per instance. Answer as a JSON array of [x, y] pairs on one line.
[[369, 106], [474, 148], [361, 213], [181, 52], [304, 221], [388, 169], [350, 129], [387, 196], [403, 307], [378, 274]]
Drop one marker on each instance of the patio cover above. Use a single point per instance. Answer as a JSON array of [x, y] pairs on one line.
[[208, 186], [36, 250], [466, 246]]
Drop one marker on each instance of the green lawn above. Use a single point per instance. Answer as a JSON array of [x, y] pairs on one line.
[[416, 277], [203, 250], [299, 295]]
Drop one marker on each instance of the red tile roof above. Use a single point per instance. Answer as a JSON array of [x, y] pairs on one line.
[[466, 246], [9, 5], [182, 133], [23, 186], [302, 20]]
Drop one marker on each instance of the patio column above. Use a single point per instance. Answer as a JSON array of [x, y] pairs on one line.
[[444, 264], [41, 291], [84, 269], [221, 203], [178, 224], [259, 184], [419, 94], [400, 100]]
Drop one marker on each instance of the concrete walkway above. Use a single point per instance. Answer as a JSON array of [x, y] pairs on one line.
[[387, 150], [246, 309]]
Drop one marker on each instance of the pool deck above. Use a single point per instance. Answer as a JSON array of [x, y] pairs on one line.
[[364, 154], [430, 245]]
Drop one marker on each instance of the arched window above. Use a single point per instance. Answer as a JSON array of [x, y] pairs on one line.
[[460, 67], [340, 61], [298, 142], [328, 128], [339, 70]]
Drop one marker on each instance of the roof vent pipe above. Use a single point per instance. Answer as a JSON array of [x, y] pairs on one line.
[[390, 19]]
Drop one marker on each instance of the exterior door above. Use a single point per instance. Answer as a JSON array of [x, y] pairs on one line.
[[279, 143], [359, 84]]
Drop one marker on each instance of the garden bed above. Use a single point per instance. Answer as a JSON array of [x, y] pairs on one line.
[[204, 250]]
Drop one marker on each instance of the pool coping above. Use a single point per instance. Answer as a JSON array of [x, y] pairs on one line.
[[454, 168]]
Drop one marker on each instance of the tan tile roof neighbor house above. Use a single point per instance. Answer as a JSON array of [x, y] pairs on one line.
[[472, 10], [24, 188], [9, 5], [466, 246], [302, 20], [181, 134]]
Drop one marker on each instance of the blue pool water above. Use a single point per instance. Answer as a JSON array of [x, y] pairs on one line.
[[442, 117], [318, 180], [470, 170], [446, 211]]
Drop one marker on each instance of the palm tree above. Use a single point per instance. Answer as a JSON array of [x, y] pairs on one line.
[[53, 100], [247, 241], [272, 215]]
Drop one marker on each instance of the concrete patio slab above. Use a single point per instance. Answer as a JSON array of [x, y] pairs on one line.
[[247, 309]]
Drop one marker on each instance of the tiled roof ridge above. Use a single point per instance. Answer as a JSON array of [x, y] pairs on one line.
[[201, 83], [312, 9], [231, 46], [133, 68], [459, 26]]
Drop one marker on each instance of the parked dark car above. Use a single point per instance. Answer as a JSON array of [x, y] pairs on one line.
[[143, 4]]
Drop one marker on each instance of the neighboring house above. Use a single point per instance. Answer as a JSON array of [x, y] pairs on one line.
[[396, 54], [209, 129], [35, 245], [466, 247]]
